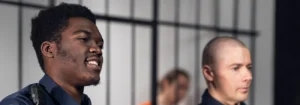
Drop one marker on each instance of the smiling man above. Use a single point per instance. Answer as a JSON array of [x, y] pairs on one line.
[[226, 66], [68, 45]]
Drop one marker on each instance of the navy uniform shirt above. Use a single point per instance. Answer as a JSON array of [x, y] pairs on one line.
[[207, 99], [56, 95]]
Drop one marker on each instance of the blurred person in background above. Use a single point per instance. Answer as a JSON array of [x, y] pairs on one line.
[[172, 88], [68, 46], [226, 66]]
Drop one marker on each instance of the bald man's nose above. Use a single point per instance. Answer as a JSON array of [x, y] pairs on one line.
[[247, 75]]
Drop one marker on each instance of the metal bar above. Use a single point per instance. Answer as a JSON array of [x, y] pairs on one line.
[[24, 4], [176, 31], [125, 20], [20, 47], [154, 72], [108, 54], [52, 3], [242, 32], [210, 28], [80, 2], [133, 37], [253, 48], [217, 16], [132, 53], [235, 16], [176, 40], [197, 53]]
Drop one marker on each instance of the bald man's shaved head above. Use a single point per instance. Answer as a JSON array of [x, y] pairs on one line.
[[226, 67], [214, 46]]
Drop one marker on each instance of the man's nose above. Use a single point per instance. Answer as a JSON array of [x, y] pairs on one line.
[[95, 49], [247, 75]]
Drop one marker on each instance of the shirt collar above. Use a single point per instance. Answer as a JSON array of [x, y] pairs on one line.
[[59, 94], [207, 99]]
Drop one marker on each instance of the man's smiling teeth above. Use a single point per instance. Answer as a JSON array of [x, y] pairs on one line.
[[93, 63]]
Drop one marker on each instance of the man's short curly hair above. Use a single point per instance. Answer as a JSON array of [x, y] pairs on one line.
[[51, 22]]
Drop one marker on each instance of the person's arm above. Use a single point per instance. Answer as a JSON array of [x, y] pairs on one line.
[[12, 102], [146, 103], [16, 101]]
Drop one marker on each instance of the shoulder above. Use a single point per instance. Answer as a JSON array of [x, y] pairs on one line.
[[202, 104], [86, 100], [146, 103], [21, 97]]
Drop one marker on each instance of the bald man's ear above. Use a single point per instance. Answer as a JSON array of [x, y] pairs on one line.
[[48, 49], [208, 73]]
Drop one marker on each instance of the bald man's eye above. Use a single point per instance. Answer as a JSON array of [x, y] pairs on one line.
[[249, 67], [236, 68]]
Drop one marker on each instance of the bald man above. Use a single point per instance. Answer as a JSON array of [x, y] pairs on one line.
[[226, 66]]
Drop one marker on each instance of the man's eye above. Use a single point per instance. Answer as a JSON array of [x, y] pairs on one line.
[[249, 68], [83, 39], [100, 46], [236, 68]]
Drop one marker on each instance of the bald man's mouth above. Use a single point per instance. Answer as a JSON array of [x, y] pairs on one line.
[[244, 89]]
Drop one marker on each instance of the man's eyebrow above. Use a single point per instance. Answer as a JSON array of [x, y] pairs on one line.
[[239, 64], [88, 33], [236, 64], [250, 64], [82, 31]]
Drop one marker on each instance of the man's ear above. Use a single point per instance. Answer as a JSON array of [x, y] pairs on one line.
[[48, 49], [208, 73]]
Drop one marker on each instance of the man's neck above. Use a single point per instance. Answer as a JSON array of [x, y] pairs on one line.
[[219, 97], [74, 91]]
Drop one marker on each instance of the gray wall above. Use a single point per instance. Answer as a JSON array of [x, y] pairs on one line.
[[9, 49]]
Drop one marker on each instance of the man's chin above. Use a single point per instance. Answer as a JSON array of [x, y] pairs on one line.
[[242, 97], [93, 82]]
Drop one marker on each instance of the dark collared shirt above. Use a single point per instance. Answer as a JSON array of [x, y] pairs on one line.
[[55, 94], [207, 99]]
